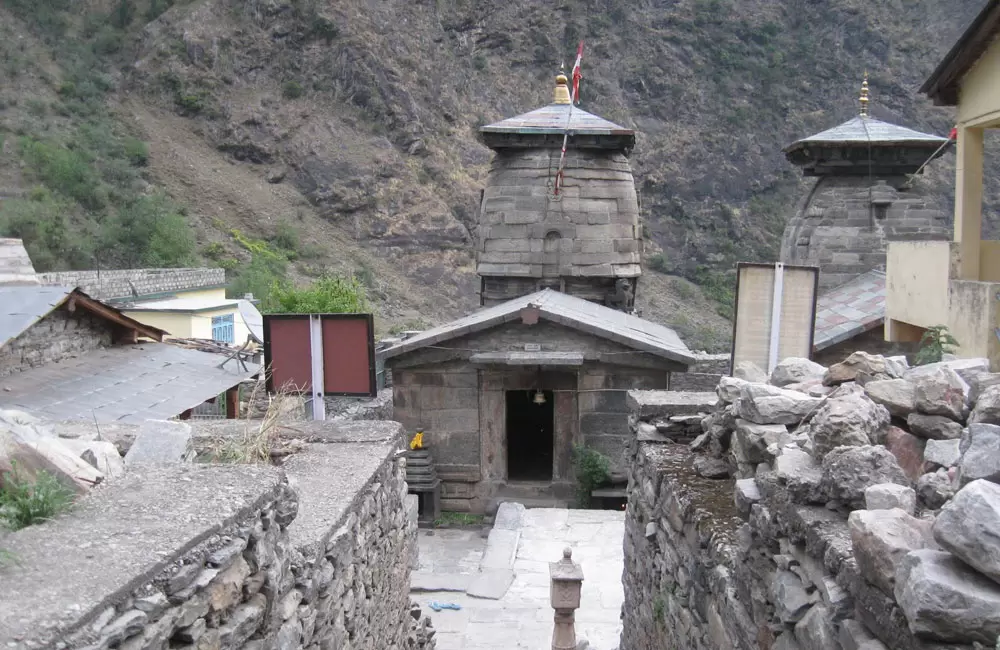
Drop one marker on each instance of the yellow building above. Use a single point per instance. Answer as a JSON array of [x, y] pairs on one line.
[[199, 314], [957, 283]]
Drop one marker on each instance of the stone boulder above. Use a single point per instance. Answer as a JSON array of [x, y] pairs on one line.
[[896, 395], [850, 419], [980, 448], [933, 427], [708, 467], [758, 443], [848, 471], [860, 367], [967, 369], [816, 630], [800, 474], [765, 404], [881, 538], [969, 527], [935, 489], [746, 493], [28, 444], [979, 384], [750, 371], [942, 453], [729, 389], [791, 599], [942, 393], [908, 450], [946, 600], [101, 455], [888, 496], [813, 387], [987, 409], [795, 370], [161, 442]]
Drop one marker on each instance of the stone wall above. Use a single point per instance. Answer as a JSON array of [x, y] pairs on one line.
[[111, 285], [835, 509], [837, 227], [60, 335], [314, 555], [704, 375], [872, 342]]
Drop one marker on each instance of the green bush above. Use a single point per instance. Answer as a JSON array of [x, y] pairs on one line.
[[23, 503], [148, 231], [64, 171], [329, 295], [258, 277], [934, 344], [42, 223], [292, 89], [592, 469], [286, 237], [658, 263]]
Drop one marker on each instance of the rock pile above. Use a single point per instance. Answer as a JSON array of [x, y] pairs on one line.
[[870, 491]]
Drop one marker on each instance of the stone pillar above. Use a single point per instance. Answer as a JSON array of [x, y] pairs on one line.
[[567, 581], [969, 200]]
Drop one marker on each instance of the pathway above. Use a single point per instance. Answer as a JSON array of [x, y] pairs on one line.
[[522, 618]]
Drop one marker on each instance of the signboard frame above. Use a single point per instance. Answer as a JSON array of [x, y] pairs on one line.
[[315, 361], [779, 270]]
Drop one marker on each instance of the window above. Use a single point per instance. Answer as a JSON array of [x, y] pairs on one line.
[[222, 328]]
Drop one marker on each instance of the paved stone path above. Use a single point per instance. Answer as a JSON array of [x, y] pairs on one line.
[[523, 617]]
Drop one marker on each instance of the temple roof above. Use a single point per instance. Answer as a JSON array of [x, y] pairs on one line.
[[555, 119], [863, 130]]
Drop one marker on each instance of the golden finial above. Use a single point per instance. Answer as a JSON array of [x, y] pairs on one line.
[[864, 96], [561, 93]]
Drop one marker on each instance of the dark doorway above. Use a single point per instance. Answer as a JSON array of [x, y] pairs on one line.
[[530, 424]]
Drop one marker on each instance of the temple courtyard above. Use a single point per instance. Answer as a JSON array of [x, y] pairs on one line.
[[458, 559]]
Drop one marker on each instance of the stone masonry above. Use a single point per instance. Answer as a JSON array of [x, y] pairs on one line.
[[315, 555], [114, 285], [843, 223], [58, 336], [856, 506]]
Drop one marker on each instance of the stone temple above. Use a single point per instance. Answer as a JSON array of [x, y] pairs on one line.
[[583, 239], [863, 196], [505, 395]]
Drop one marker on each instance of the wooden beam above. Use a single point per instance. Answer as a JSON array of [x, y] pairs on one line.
[[80, 299], [233, 403]]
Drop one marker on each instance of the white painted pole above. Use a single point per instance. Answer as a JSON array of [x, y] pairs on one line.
[[779, 277], [316, 358]]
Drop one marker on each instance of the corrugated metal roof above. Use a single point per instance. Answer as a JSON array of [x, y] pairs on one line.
[[862, 129], [556, 118], [850, 309], [150, 381], [564, 309], [23, 306]]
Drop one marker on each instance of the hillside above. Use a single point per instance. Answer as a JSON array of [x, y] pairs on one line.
[[342, 135]]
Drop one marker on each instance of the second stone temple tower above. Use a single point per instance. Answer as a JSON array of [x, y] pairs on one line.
[[583, 239], [864, 196]]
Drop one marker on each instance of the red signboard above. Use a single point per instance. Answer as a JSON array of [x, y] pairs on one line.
[[347, 358]]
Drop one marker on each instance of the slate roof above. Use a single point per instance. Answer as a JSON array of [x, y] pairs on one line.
[[859, 129], [852, 308], [23, 306], [552, 119], [123, 384], [563, 309]]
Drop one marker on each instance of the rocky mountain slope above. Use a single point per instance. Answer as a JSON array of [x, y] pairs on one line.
[[343, 134]]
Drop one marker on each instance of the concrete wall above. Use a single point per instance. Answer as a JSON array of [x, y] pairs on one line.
[[58, 336], [196, 325], [314, 555], [979, 97], [462, 407], [109, 285]]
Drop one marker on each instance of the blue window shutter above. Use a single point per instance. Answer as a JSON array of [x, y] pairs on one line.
[[222, 328]]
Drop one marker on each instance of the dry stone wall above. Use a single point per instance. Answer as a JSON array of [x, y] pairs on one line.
[[60, 335], [111, 285], [215, 557], [856, 506]]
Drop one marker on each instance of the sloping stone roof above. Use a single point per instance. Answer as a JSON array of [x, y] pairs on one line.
[[552, 119], [852, 308], [862, 130], [132, 383], [563, 309]]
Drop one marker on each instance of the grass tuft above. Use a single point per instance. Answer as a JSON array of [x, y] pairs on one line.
[[23, 503]]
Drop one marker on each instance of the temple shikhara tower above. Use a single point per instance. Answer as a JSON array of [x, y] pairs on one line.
[[863, 197], [582, 238]]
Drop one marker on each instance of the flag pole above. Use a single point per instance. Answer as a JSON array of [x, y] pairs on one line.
[[574, 89]]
